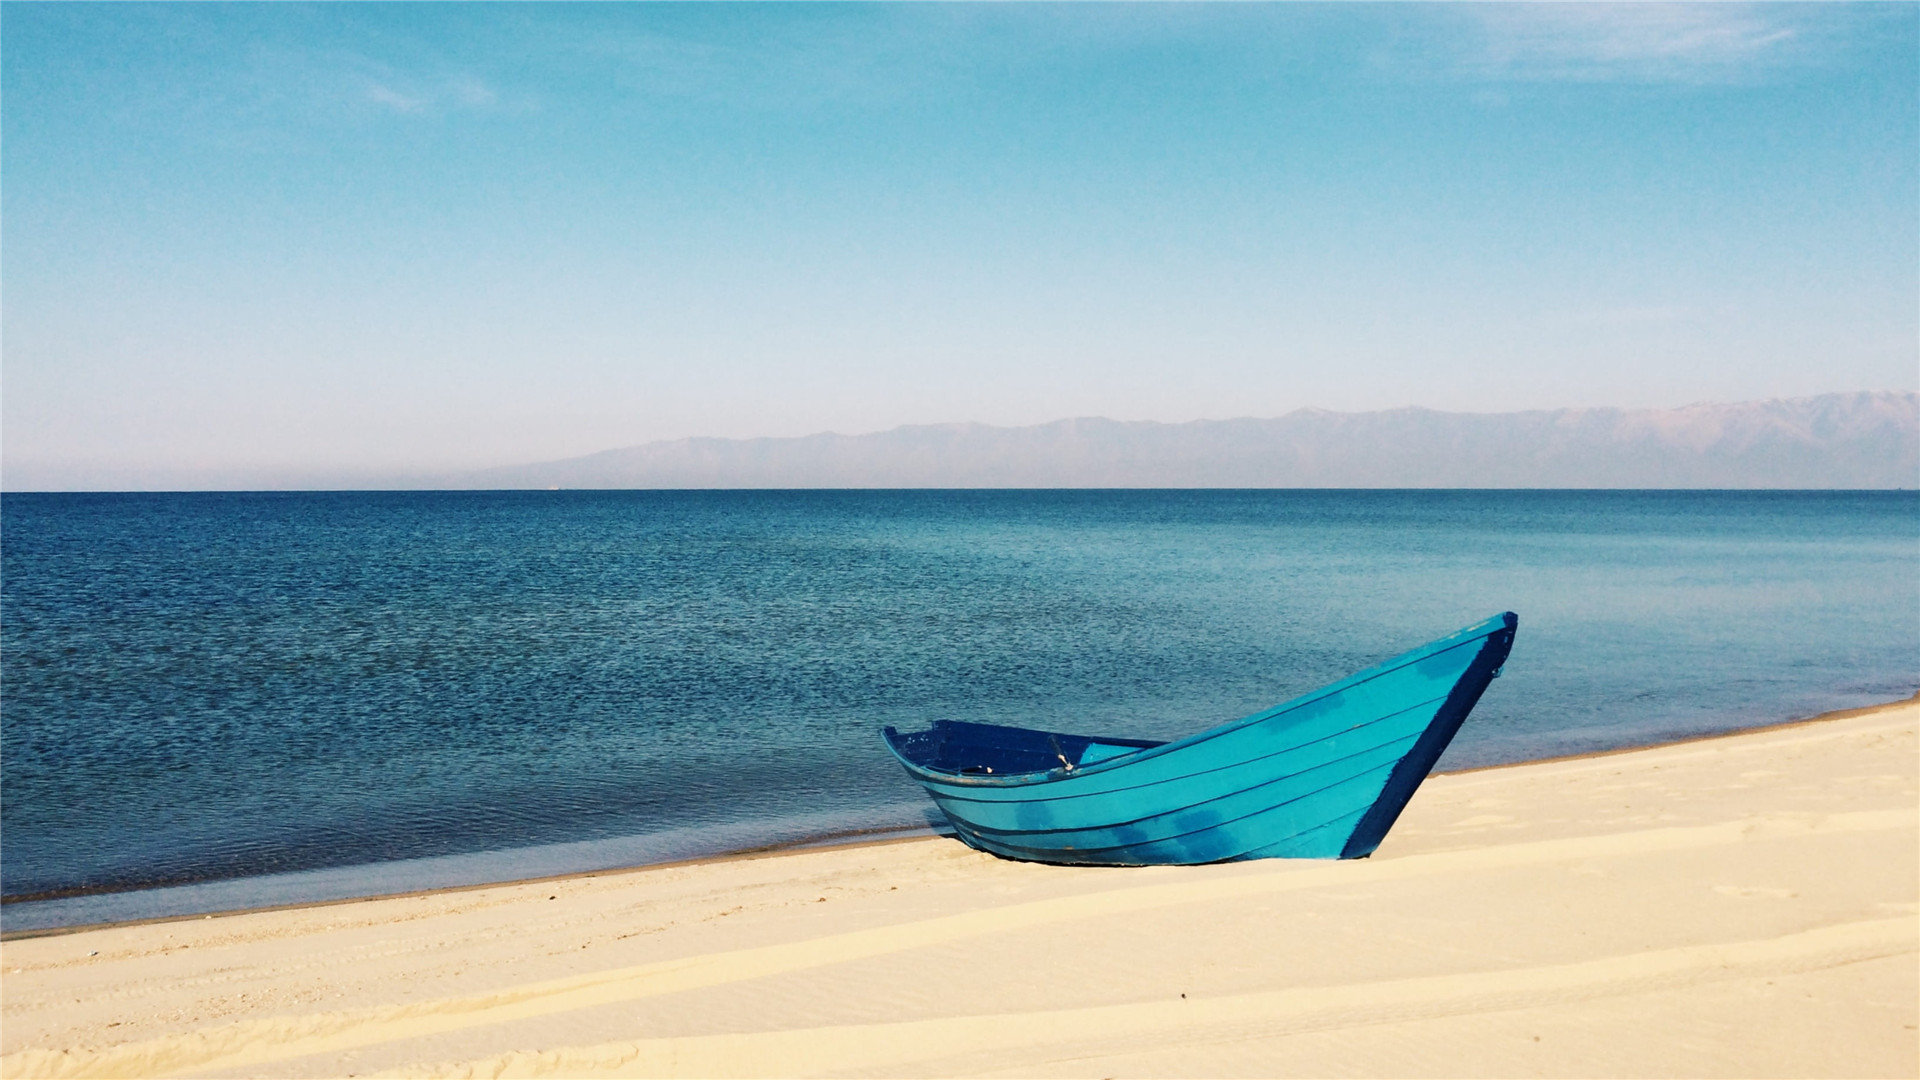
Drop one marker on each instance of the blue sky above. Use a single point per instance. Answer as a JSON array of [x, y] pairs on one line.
[[255, 244]]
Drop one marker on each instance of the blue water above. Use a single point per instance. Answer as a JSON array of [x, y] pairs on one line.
[[282, 697]]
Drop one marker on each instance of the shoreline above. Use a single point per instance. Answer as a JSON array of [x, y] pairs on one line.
[[1743, 905], [1818, 718], [845, 840]]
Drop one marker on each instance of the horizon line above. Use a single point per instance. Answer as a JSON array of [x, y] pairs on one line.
[[322, 477]]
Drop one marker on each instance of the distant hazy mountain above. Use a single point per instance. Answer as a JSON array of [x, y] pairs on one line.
[[1862, 440]]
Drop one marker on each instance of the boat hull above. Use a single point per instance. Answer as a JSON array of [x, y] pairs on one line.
[[1322, 776]]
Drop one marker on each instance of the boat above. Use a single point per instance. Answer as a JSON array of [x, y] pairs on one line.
[[1323, 776]]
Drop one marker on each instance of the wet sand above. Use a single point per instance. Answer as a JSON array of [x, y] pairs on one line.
[[1740, 906]]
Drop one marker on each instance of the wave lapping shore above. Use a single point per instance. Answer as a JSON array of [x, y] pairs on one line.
[[1745, 905]]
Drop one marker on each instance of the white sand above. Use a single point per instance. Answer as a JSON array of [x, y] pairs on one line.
[[1743, 906]]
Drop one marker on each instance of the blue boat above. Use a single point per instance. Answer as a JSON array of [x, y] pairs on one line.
[[1323, 776]]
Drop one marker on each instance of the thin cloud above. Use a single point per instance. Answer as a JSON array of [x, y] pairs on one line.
[[393, 99], [473, 93], [1638, 42], [326, 80], [440, 96], [1698, 43]]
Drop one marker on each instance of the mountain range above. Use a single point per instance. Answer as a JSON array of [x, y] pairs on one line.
[[1869, 439]]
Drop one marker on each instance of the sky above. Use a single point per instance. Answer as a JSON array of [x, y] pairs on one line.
[[256, 245]]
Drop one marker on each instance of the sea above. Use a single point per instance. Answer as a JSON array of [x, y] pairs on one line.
[[218, 701]]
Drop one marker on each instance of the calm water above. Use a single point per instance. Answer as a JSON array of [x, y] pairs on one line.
[[290, 696]]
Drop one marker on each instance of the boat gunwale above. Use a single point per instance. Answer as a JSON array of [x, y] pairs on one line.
[[1484, 629]]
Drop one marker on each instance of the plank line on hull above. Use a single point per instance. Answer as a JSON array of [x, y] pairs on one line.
[[1392, 751], [965, 794], [1311, 843], [1367, 793], [1317, 837], [1279, 734]]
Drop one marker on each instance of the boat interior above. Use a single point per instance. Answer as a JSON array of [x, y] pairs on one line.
[[955, 746]]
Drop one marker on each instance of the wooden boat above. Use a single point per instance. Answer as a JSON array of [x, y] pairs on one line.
[[1322, 776]]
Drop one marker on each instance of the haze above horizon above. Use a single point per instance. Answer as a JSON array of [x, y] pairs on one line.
[[407, 239]]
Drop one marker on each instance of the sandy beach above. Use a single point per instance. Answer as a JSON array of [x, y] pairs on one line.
[[1737, 906]]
